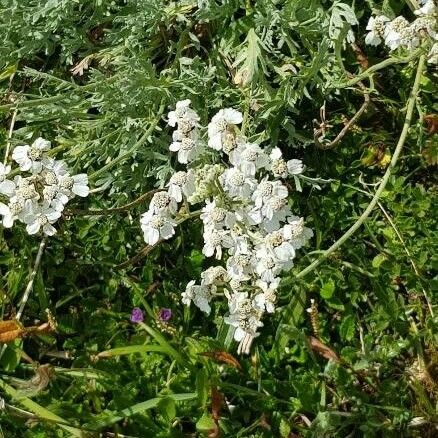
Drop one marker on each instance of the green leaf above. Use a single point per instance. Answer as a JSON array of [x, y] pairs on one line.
[[205, 423], [327, 290], [347, 328]]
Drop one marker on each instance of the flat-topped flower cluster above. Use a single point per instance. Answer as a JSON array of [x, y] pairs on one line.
[[38, 194], [400, 33], [247, 221]]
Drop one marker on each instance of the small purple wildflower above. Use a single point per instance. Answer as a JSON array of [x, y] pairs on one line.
[[164, 314], [136, 315]]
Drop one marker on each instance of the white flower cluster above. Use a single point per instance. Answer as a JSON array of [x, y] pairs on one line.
[[400, 33], [39, 198], [247, 222]]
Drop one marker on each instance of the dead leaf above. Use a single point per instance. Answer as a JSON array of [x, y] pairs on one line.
[[223, 357], [432, 123], [322, 349], [216, 403]]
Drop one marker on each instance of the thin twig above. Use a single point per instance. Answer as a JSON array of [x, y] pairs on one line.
[[148, 248], [384, 180], [106, 211], [11, 130], [352, 122], [29, 286]]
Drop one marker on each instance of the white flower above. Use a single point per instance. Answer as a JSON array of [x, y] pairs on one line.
[[393, 32], [241, 242], [428, 8], [376, 28], [433, 55], [74, 185], [13, 211], [55, 197], [266, 300], [213, 275], [183, 115], [162, 202], [266, 190], [214, 240], [188, 147], [216, 217], [221, 125], [239, 266], [235, 182], [295, 231], [424, 24], [156, 227], [29, 157], [7, 187], [25, 188], [245, 318], [265, 265], [295, 167], [278, 243], [181, 183], [249, 158], [200, 295], [41, 216], [278, 166]]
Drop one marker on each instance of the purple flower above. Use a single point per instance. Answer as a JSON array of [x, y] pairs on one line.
[[136, 315], [164, 314]]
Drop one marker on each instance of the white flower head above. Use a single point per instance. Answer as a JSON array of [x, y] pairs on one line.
[[187, 146], [394, 32], [214, 275], [181, 183], [240, 266], [278, 166], [295, 231], [249, 157], [376, 28], [200, 295], [237, 184], [266, 265], [163, 203], [432, 57], [217, 217], [74, 185], [265, 301], [295, 167], [15, 210], [183, 115], [222, 126], [41, 217], [156, 227], [214, 241], [30, 157], [245, 318], [428, 8], [7, 187]]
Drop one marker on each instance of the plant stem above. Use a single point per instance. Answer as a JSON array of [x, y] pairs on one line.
[[107, 211], [148, 248], [11, 130], [29, 286], [384, 180], [376, 67]]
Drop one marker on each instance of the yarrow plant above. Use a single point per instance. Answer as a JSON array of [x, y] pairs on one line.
[[399, 33], [247, 222], [38, 195]]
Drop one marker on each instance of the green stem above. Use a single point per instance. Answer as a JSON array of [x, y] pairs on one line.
[[376, 67], [384, 180]]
